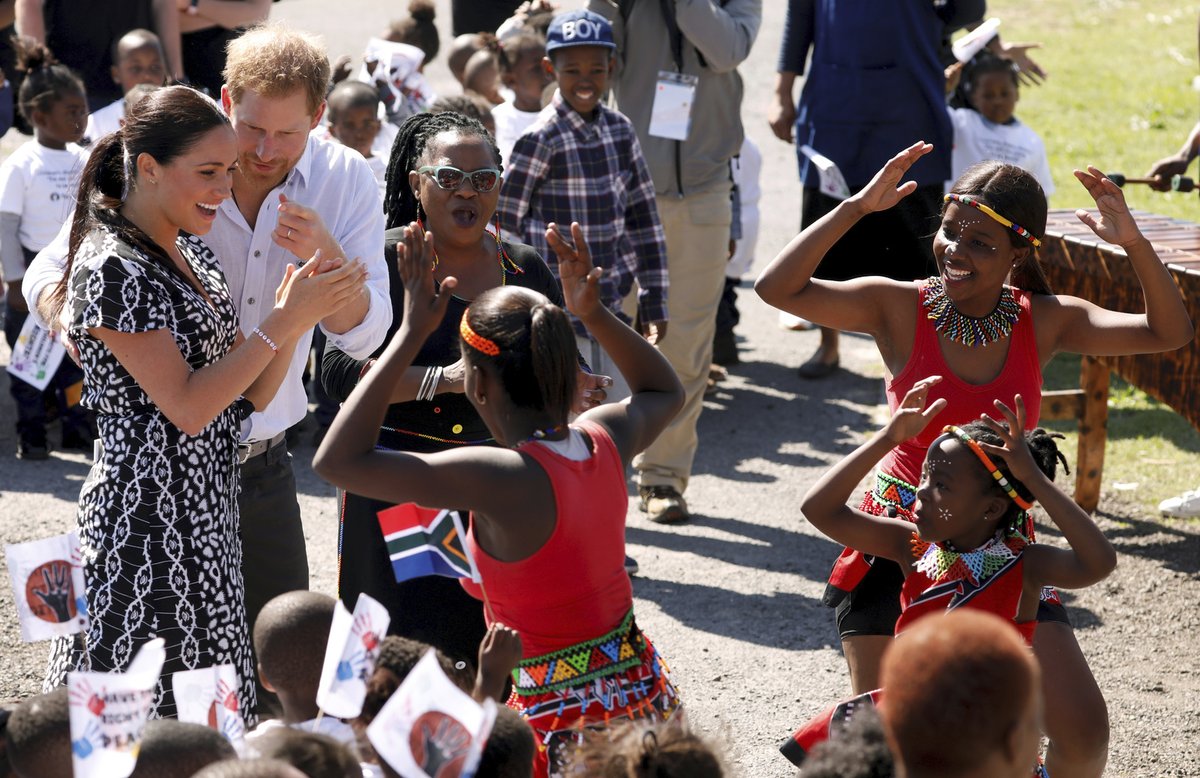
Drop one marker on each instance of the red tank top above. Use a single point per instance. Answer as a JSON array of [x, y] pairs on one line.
[[573, 588], [1021, 374], [990, 578]]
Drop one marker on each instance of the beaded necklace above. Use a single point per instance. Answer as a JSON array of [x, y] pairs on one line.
[[969, 330], [940, 563]]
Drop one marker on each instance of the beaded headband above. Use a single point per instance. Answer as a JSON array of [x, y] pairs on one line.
[[475, 340], [974, 203], [972, 444]]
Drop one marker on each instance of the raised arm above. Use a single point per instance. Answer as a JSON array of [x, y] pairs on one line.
[[191, 399], [825, 504], [722, 31], [29, 19], [657, 394], [1090, 557], [859, 305], [1083, 328]]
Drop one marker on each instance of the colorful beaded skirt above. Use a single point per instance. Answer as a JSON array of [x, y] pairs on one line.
[[595, 684]]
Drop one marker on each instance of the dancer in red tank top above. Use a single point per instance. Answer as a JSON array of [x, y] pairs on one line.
[[985, 332], [547, 509]]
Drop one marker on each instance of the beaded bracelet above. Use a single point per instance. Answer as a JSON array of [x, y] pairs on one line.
[[270, 343]]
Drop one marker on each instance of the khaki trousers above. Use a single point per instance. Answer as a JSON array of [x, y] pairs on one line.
[[697, 230]]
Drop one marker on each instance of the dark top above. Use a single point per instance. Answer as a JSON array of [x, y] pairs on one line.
[[467, 16], [449, 419], [861, 51], [82, 37]]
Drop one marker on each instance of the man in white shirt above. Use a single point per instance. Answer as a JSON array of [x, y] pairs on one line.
[[292, 196]]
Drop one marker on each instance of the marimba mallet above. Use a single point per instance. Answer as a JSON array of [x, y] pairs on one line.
[[1178, 183]]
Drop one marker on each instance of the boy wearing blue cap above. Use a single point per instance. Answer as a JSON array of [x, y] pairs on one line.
[[581, 161]]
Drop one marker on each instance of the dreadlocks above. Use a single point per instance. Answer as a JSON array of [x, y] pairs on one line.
[[400, 204]]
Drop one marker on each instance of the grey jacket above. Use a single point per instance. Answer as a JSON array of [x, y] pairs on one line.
[[717, 37]]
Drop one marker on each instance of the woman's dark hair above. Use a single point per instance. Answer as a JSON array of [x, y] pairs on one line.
[[46, 79], [538, 359], [1014, 193], [984, 63], [417, 29], [165, 125], [400, 205], [1045, 455], [512, 48]]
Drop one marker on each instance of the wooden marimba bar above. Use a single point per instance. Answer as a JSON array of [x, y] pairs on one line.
[[1078, 263]]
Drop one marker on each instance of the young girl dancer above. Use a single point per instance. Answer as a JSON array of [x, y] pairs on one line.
[[966, 544], [987, 339], [547, 508]]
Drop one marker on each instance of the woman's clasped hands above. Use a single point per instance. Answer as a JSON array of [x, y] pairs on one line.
[[318, 288]]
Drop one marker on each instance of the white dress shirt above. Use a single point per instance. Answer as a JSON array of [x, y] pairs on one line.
[[336, 183]]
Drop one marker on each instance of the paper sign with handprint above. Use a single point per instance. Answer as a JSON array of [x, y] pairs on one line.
[[47, 579], [430, 728], [350, 656], [396, 69], [209, 697], [108, 714]]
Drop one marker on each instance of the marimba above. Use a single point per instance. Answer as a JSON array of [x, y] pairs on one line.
[[1078, 263]]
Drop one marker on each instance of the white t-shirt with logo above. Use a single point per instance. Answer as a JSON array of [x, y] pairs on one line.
[[510, 125], [39, 184], [976, 139], [105, 120]]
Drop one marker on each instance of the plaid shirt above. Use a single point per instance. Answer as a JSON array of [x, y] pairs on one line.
[[565, 168]]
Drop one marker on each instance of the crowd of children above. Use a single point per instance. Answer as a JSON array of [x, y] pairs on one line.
[[548, 503]]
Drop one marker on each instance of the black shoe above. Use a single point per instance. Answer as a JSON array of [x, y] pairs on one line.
[[32, 448], [631, 566]]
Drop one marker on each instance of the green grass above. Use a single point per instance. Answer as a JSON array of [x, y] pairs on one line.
[[1119, 96]]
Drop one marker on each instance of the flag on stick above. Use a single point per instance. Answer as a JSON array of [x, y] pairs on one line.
[[426, 541], [430, 728], [47, 580], [350, 656], [108, 713], [208, 696]]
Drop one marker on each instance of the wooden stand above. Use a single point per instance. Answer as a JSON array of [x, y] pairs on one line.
[[1089, 406]]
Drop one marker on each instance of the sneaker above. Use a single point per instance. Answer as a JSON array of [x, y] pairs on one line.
[[662, 504], [1185, 506], [631, 566]]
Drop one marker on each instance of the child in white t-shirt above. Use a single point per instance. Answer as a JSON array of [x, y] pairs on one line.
[[519, 58], [38, 183], [137, 59], [988, 129]]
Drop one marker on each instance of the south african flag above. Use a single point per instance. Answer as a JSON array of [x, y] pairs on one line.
[[426, 541]]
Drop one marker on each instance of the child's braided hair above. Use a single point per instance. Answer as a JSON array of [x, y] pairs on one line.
[[400, 205], [1045, 454], [46, 79]]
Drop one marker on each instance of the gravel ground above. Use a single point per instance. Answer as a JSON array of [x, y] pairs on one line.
[[732, 599]]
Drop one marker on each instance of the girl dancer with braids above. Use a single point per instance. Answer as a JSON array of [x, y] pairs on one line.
[[548, 503], [988, 340], [428, 409], [966, 546]]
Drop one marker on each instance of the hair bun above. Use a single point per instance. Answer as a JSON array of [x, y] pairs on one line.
[[422, 10], [32, 54]]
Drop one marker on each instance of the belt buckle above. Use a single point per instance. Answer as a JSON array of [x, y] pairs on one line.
[[243, 452]]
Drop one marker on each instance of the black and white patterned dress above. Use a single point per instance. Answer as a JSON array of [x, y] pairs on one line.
[[158, 515]]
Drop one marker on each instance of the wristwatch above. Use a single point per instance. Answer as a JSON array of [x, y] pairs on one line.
[[192, 8]]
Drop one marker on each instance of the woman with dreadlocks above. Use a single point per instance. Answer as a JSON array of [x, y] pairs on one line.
[[444, 174]]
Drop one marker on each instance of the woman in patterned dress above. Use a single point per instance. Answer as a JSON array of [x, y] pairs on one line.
[[170, 377]]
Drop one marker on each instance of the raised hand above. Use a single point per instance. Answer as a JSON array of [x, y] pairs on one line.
[[1029, 72], [498, 655], [593, 391], [580, 280], [1116, 223], [885, 189], [912, 417], [300, 230], [1015, 451], [424, 300]]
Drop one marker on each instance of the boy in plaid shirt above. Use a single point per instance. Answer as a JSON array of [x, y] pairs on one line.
[[581, 161]]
